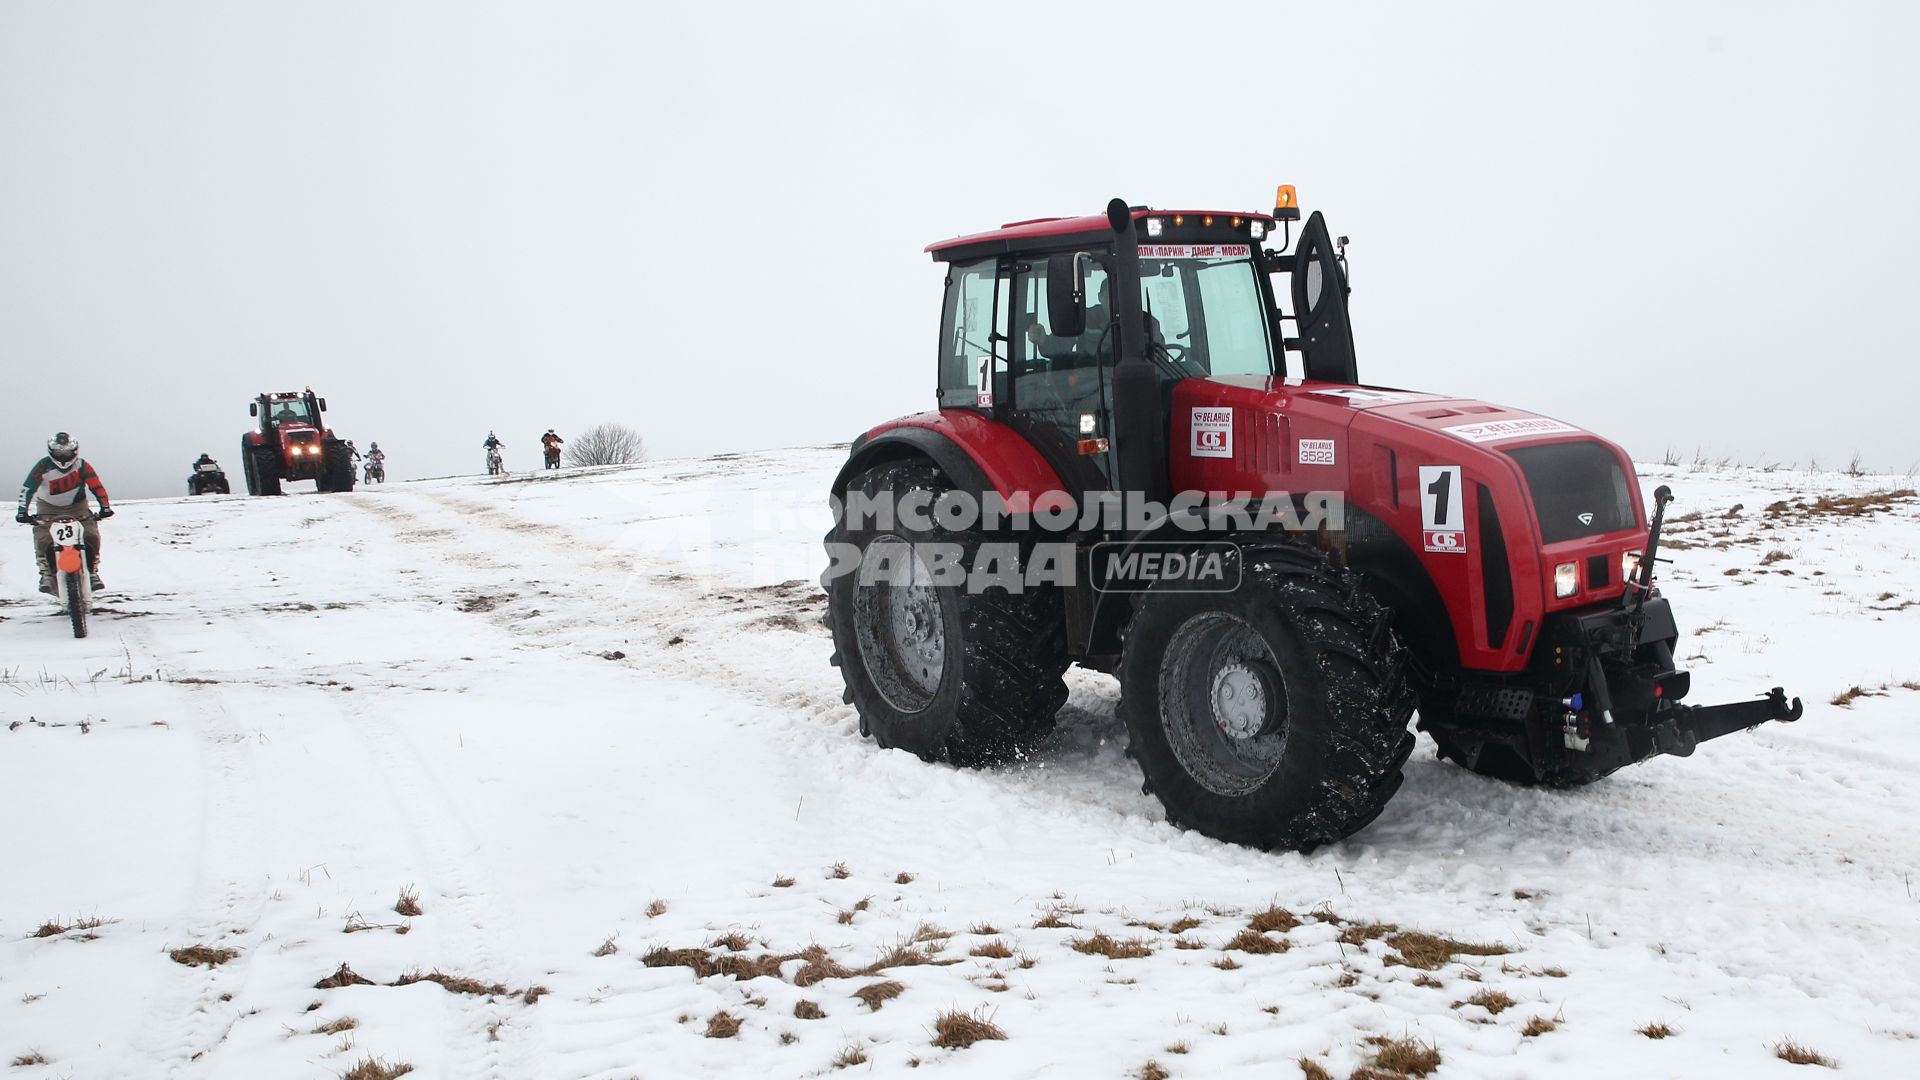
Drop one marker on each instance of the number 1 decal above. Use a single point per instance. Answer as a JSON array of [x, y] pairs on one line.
[[1443, 512]]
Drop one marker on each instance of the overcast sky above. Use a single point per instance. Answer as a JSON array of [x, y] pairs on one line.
[[1681, 225]]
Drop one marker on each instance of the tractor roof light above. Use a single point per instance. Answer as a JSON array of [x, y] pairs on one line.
[[1258, 229], [1156, 226], [1286, 204], [1566, 580]]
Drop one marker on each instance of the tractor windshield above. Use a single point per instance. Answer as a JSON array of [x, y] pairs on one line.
[[289, 412], [1207, 308]]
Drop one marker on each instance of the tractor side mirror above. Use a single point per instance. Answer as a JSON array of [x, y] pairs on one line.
[[253, 408], [323, 404], [1066, 296]]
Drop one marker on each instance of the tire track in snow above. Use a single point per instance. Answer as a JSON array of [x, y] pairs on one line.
[[489, 1037], [194, 1017]]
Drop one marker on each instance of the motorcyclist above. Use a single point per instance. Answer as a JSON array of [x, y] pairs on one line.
[[493, 442], [552, 443], [375, 455], [56, 488]]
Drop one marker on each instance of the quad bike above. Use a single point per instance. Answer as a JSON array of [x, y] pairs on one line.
[[495, 466], [208, 480], [72, 583]]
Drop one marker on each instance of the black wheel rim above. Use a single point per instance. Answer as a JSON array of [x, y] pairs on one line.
[[1223, 704]]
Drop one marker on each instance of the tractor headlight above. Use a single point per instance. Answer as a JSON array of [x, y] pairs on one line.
[[1629, 565], [1566, 580], [1258, 229]]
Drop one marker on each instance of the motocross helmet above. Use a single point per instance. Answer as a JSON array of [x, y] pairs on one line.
[[373, 446], [62, 448]]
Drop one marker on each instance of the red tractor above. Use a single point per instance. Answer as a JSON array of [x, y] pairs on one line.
[[1285, 563], [292, 443]]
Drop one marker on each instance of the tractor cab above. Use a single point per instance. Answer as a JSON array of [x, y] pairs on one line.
[[1030, 334]]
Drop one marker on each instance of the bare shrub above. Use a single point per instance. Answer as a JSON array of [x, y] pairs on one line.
[[606, 444]]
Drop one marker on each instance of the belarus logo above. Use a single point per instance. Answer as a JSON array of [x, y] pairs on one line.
[[1586, 518], [1212, 428]]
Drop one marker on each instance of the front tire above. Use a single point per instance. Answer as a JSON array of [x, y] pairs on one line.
[[1274, 715], [75, 586], [940, 670], [263, 470]]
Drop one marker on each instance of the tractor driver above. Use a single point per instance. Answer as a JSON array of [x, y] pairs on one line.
[[286, 415], [1085, 348]]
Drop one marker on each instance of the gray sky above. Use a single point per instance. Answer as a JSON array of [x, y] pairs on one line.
[[1681, 225]]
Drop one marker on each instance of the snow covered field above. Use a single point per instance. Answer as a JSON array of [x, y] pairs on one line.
[[588, 720]]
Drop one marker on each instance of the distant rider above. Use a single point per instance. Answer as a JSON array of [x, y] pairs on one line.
[[551, 443], [493, 442], [376, 467], [206, 464], [56, 488]]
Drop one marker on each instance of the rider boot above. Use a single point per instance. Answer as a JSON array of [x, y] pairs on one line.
[[46, 579], [93, 572]]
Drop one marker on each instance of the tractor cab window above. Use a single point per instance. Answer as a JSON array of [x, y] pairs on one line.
[[1206, 315], [973, 336], [289, 412]]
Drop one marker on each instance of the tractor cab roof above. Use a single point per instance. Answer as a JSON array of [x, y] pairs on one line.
[[1054, 232]]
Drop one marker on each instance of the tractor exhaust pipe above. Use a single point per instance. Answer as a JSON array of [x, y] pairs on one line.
[[1138, 426]]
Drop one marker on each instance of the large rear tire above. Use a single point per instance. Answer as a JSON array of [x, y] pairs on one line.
[[77, 601], [263, 470], [939, 670], [337, 475], [1274, 715]]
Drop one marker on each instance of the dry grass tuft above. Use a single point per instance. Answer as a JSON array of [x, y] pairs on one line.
[[955, 1030], [850, 1056], [1494, 1001], [343, 977], [819, 966], [532, 994], [1153, 1070], [732, 941], [1313, 1070], [656, 908], [903, 878], [722, 1025], [783, 882], [983, 929], [1539, 1025], [1429, 951], [875, 995], [454, 984], [1657, 1030], [203, 955], [1250, 940], [1274, 919], [409, 902], [839, 872], [51, 928], [372, 1068], [1183, 924], [905, 954], [1179, 1048], [1410, 1057], [1429, 982], [1188, 943], [337, 1026], [1794, 1054], [1362, 932], [808, 1010], [1227, 962], [1055, 920], [1099, 943], [927, 931], [607, 947], [31, 1057], [992, 950]]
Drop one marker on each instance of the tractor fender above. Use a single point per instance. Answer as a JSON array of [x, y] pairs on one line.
[[978, 454]]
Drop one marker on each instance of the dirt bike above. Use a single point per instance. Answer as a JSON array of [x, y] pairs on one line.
[[373, 472], [72, 587], [553, 459], [495, 466]]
